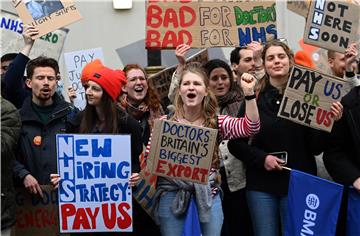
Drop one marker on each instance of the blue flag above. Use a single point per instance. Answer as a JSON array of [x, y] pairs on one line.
[[192, 223], [353, 213], [313, 205]]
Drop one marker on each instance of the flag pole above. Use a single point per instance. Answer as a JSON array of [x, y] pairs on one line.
[[286, 168]]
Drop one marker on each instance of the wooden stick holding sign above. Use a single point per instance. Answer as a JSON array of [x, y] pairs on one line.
[[332, 24], [47, 15], [309, 95], [182, 151]]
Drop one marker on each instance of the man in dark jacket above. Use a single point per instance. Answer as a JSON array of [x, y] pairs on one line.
[[43, 115], [10, 130], [342, 158], [16, 91]]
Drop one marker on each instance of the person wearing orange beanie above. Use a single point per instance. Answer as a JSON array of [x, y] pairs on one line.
[[103, 116], [110, 80], [303, 59]]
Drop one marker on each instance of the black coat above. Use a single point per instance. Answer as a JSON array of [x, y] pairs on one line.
[[342, 158], [16, 91], [40, 160], [10, 130], [276, 135], [126, 125]]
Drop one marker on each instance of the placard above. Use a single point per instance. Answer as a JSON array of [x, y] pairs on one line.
[[208, 23], [181, 151], [161, 81], [47, 16], [300, 7], [94, 193], [75, 62], [49, 45], [332, 24], [37, 216], [309, 95]]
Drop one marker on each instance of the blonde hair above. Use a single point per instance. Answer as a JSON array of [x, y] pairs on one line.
[[209, 104]]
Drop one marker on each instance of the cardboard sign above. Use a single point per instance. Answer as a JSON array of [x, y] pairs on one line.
[[299, 7], [47, 16], [94, 193], [181, 151], [75, 62], [145, 190], [208, 23], [332, 24], [309, 95], [49, 45], [161, 81], [36, 216]]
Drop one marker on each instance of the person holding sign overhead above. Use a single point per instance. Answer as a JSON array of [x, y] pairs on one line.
[[196, 105], [344, 65], [102, 114], [280, 142]]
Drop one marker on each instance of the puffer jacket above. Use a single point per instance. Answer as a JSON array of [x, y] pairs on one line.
[[10, 130]]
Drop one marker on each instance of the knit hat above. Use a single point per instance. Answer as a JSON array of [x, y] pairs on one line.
[[110, 80], [89, 68], [303, 59]]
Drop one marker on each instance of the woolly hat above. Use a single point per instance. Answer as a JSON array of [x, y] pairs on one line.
[[90, 68], [110, 80], [303, 59]]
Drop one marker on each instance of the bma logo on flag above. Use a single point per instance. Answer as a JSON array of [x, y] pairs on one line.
[[312, 202], [307, 214]]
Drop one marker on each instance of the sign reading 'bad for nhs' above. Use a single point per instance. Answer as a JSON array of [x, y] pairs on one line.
[[94, 194]]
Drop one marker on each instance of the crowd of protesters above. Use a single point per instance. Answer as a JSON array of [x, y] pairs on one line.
[[246, 193]]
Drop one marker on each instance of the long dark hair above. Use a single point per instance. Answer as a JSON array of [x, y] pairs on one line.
[[90, 116]]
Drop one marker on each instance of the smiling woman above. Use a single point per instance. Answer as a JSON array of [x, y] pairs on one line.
[[266, 180], [102, 115], [140, 100]]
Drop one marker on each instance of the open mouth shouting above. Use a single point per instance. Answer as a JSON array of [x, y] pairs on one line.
[[191, 95]]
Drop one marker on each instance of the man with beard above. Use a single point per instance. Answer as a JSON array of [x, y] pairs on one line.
[[43, 115]]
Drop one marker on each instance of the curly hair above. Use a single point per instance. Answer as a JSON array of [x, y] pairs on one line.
[[151, 99]]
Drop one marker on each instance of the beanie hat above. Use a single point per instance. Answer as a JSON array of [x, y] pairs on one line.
[[303, 59], [89, 68], [110, 80]]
